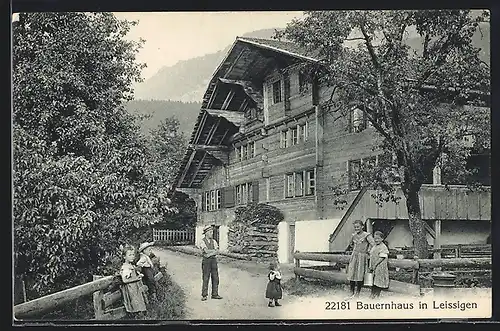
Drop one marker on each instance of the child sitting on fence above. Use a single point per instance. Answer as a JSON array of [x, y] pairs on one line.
[[134, 296], [273, 290], [379, 254]]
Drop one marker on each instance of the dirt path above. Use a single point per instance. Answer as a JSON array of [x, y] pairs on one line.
[[243, 292]]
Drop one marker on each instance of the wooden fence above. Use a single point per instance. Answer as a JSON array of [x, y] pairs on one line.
[[451, 251], [414, 265], [174, 236], [50, 302]]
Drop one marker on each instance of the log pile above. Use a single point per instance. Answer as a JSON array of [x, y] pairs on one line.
[[256, 240]]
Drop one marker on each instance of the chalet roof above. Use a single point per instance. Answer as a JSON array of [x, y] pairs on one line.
[[246, 64], [285, 47]]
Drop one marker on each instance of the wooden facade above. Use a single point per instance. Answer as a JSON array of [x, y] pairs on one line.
[[261, 136]]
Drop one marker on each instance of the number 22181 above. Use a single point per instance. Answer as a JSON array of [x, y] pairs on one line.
[[337, 305]]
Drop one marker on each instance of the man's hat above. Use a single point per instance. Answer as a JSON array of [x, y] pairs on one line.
[[145, 245], [207, 228]]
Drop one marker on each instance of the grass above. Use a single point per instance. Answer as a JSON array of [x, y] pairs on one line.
[[309, 287], [171, 301]]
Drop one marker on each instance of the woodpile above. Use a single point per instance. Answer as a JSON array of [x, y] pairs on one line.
[[256, 240]]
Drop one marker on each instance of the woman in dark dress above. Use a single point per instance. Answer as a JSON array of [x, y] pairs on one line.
[[273, 290]]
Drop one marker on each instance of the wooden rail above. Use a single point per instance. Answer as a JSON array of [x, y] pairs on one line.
[[415, 265], [402, 263], [52, 301], [187, 235]]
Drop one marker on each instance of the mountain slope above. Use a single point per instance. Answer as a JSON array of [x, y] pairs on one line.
[[187, 80], [158, 110]]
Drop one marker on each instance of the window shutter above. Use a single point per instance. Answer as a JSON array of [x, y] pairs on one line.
[[228, 197], [286, 90], [255, 188], [269, 88], [221, 198]]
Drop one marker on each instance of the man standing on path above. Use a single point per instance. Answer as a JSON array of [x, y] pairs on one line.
[[209, 268]]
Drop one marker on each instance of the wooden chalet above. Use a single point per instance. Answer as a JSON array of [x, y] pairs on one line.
[[261, 136]]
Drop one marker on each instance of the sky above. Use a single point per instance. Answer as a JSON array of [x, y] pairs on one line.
[[175, 36]]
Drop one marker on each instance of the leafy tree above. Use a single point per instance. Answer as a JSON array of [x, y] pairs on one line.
[[81, 181], [168, 144], [418, 100]]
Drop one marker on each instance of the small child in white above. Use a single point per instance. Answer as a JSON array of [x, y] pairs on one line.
[[273, 290]]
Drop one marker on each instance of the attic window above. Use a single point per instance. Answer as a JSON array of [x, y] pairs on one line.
[[303, 84], [277, 92]]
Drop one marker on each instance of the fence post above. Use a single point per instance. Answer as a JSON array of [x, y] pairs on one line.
[[297, 265], [415, 276], [98, 302]]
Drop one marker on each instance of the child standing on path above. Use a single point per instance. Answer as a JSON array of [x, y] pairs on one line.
[[358, 263], [273, 290], [134, 298], [378, 265]]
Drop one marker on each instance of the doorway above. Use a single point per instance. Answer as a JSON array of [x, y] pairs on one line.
[[216, 231]]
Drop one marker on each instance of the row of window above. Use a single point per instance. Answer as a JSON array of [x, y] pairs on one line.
[[294, 136], [300, 183], [244, 193], [212, 200], [245, 152]]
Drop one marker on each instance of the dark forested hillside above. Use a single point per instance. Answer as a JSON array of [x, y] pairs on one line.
[[157, 110]]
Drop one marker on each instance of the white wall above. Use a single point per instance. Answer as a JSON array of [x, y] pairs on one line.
[[452, 233], [312, 236], [198, 236], [464, 232], [223, 238], [400, 235], [283, 242]]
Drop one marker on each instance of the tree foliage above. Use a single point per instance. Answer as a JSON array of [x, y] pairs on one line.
[[420, 100], [82, 171]]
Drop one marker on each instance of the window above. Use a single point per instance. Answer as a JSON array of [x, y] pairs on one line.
[[355, 175], [251, 149], [237, 154], [303, 83], [238, 194], [295, 136], [310, 182], [277, 92], [299, 184], [284, 139], [295, 186], [244, 193], [289, 186], [358, 120], [244, 152], [212, 200], [219, 196], [207, 201], [249, 192], [304, 128]]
